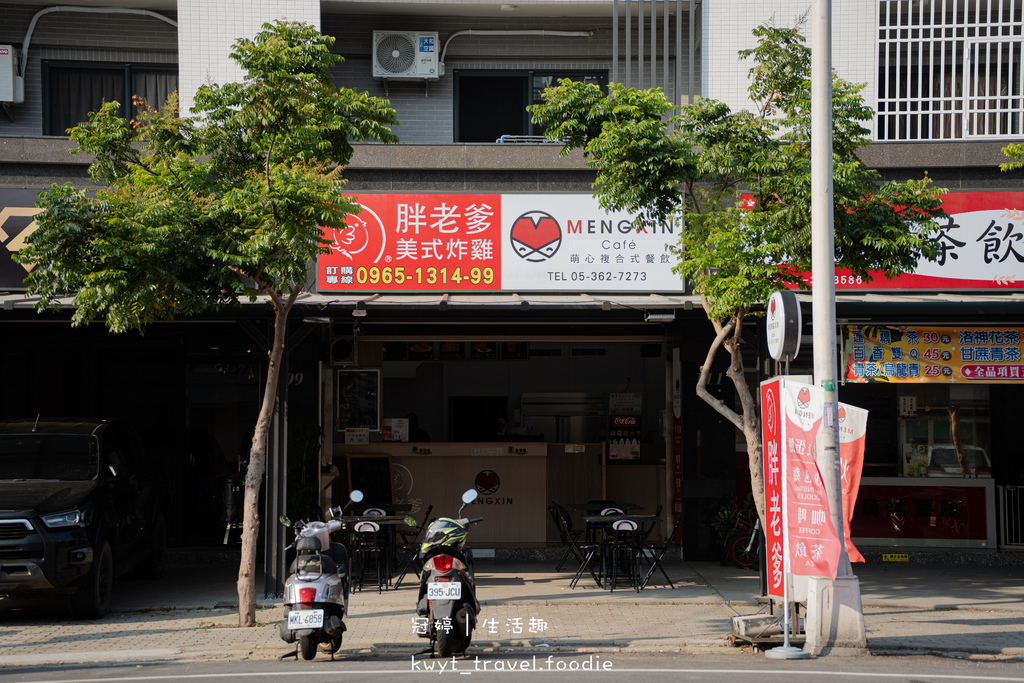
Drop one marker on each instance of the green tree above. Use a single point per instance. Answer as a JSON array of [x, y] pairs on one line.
[[196, 214], [740, 183]]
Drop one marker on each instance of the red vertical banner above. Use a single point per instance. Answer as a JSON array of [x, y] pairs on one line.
[[853, 425], [812, 542], [771, 438]]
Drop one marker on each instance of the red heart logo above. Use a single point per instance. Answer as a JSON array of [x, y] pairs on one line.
[[842, 414], [804, 396], [771, 307], [487, 482], [536, 235]]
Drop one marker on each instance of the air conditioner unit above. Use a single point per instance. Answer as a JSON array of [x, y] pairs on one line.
[[11, 87], [343, 351], [404, 55]]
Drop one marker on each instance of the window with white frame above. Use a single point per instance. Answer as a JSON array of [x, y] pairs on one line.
[[949, 69]]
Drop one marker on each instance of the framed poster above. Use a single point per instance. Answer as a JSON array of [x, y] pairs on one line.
[[357, 400]]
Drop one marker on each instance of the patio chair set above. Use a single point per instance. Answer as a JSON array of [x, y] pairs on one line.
[[614, 547]]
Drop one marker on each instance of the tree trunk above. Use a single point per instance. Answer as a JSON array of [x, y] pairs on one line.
[[257, 468], [958, 446]]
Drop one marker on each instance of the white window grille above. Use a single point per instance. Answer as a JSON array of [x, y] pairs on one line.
[[950, 69]]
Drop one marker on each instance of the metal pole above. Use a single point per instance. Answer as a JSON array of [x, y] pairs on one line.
[[615, 42], [834, 611]]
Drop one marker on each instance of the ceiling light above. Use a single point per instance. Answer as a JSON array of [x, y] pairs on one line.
[[509, 8], [659, 317]]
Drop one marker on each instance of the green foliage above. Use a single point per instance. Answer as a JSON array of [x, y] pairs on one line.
[[730, 513], [194, 213], [741, 181], [1014, 151]]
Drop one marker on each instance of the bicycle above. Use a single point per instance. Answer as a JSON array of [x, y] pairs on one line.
[[743, 542]]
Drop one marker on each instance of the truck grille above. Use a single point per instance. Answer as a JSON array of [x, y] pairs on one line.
[[16, 552], [15, 530]]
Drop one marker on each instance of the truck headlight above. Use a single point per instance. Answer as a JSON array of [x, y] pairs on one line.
[[63, 519]]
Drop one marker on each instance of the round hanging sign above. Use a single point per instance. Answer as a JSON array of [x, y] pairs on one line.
[[783, 326]]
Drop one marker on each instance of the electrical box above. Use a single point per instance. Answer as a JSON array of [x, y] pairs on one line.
[[8, 74]]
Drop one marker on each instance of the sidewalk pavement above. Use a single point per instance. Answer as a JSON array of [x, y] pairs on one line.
[[963, 611]]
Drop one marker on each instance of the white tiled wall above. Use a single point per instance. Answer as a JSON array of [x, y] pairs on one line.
[[207, 30], [727, 26]]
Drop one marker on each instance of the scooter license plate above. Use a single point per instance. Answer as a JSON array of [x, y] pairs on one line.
[[305, 618], [444, 590]]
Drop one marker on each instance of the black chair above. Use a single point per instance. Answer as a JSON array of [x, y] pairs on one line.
[[584, 554], [620, 557], [657, 554], [558, 513], [608, 508], [646, 533], [408, 551], [370, 545]]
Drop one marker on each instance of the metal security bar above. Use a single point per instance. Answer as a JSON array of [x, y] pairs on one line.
[[949, 69], [1011, 516]]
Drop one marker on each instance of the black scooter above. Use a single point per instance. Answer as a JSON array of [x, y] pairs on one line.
[[447, 595]]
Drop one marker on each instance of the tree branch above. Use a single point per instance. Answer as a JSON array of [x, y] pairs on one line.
[[723, 332]]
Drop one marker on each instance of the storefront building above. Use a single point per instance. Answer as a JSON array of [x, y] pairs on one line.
[[537, 343]]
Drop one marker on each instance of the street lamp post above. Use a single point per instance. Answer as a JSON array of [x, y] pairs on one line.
[[835, 617]]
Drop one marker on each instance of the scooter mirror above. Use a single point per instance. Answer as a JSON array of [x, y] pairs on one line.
[[355, 496], [469, 496], [284, 520], [409, 521]]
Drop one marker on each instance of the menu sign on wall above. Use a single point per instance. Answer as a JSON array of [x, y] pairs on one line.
[[495, 242], [934, 354]]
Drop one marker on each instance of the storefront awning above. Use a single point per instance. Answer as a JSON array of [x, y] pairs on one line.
[[943, 304]]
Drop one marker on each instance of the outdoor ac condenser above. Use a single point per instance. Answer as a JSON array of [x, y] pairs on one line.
[[11, 88], [404, 55]]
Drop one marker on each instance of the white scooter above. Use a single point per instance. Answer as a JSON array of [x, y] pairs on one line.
[[316, 591]]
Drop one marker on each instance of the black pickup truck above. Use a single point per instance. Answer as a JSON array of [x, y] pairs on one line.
[[79, 505]]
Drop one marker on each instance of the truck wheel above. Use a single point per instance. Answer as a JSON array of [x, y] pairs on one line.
[[152, 565], [307, 647], [92, 600]]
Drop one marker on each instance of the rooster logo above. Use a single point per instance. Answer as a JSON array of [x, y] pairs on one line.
[[362, 233]]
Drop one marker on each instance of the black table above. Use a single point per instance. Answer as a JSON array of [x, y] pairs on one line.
[[604, 523], [389, 525]]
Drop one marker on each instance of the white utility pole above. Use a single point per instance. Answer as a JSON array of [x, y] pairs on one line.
[[835, 617]]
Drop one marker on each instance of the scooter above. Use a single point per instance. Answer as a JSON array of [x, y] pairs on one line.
[[447, 596], [316, 591]]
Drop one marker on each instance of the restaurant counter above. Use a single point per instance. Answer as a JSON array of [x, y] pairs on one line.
[[514, 481]]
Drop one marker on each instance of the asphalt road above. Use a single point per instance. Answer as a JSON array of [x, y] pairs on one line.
[[520, 668]]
